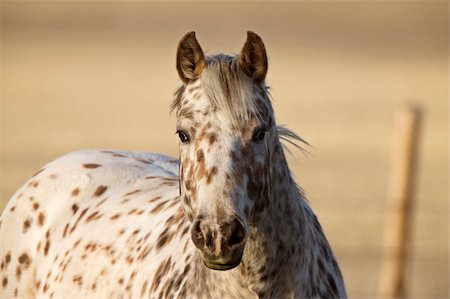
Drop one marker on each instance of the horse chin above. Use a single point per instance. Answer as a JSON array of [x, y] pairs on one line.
[[216, 265]]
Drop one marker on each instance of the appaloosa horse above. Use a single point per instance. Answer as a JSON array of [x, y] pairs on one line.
[[226, 221]]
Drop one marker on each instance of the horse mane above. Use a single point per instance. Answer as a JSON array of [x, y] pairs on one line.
[[291, 138]]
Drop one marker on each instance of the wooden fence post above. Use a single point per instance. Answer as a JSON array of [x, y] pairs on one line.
[[399, 204]]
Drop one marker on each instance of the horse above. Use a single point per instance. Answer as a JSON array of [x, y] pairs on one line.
[[225, 220]]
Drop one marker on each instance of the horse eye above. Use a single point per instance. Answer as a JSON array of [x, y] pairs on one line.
[[259, 135], [184, 137]]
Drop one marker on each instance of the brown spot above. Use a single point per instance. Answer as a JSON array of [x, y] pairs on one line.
[[212, 138], [158, 207], [101, 202], [74, 208], [76, 243], [41, 219], [12, 208], [211, 174], [162, 269], [7, 258], [167, 288], [186, 269], [24, 260], [143, 289], [100, 190], [27, 224], [35, 206], [78, 280], [91, 165], [164, 238], [18, 273], [185, 230], [78, 220], [144, 253], [75, 192], [154, 199], [33, 184], [201, 163], [114, 217], [131, 212], [132, 192], [47, 247], [170, 220], [200, 156], [94, 216], [129, 259], [4, 282]]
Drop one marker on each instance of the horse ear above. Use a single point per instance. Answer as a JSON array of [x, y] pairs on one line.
[[253, 58], [190, 58]]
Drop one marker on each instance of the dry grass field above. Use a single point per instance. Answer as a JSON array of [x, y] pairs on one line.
[[101, 75]]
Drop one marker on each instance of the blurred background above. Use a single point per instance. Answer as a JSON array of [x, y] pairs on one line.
[[102, 74]]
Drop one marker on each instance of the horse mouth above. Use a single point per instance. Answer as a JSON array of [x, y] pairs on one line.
[[215, 265], [222, 266]]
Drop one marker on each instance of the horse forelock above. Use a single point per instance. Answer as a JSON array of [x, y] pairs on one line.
[[229, 90]]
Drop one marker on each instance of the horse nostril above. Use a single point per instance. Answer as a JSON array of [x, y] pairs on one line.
[[204, 236], [237, 235], [197, 235]]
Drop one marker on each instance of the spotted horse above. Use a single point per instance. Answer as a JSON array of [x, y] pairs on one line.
[[225, 221]]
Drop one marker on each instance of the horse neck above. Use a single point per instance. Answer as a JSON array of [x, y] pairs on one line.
[[274, 242], [287, 249]]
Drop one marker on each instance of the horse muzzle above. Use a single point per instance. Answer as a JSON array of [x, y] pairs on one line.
[[222, 245]]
